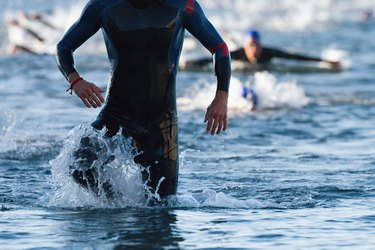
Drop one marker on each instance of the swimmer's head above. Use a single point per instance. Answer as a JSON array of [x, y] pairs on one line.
[[253, 34], [253, 46]]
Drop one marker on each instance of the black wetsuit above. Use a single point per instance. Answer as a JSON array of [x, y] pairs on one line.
[[144, 41], [268, 53], [265, 57]]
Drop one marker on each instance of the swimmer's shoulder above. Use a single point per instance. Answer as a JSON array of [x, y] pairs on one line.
[[183, 5], [101, 5]]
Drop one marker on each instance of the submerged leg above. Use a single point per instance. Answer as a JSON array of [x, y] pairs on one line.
[[159, 154], [159, 150], [83, 170]]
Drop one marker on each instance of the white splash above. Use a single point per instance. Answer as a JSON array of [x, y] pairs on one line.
[[274, 95], [270, 95], [7, 120], [333, 54], [123, 174], [211, 198]]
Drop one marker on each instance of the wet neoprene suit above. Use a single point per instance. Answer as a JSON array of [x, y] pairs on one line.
[[265, 57], [268, 53], [144, 41]]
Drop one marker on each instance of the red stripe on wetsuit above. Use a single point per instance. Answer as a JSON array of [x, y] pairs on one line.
[[189, 7], [223, 47]]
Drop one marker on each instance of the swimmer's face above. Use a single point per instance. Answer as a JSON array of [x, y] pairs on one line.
[[255, 47]]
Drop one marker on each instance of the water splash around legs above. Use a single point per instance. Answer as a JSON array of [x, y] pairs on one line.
[[103, 170]]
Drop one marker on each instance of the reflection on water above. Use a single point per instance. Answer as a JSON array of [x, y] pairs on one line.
[[109, 229], [150, 229]]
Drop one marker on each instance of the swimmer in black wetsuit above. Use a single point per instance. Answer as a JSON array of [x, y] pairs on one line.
[[254, 53], [144, 40]]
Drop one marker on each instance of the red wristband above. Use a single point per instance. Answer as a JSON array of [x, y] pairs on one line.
[[73, 83]]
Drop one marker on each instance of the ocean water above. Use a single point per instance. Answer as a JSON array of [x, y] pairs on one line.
[[296, 173]]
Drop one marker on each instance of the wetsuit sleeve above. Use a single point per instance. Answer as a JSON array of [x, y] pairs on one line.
[[282, 54], [198, 62], [85, 27], [198, 25], [238, 54]]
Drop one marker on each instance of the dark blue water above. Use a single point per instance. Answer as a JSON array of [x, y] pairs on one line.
[[297, 173]]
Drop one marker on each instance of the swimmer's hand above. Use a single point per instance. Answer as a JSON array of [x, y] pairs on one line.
[[335, 65], [216, 115], [90, 94]]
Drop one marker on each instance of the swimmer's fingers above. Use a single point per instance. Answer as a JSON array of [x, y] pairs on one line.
[[221, 125], [214, 125], [89, 93], [94, 98], [215, 122], [98, 92], [209, 119], [335, 64], [225, 123], [82, 90], [221, 121], [88, 97], [216, 115], [84, 100]]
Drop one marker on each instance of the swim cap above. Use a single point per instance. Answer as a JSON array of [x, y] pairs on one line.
[[254, 34]]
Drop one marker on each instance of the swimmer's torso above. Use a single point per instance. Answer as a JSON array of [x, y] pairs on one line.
[[144, 39], [142, 84]]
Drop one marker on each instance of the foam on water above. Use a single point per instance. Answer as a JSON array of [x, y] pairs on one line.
[[211, 198], [7, 119], [276, 95], [126, 180], [332, 53], [271, 95], [123, 174]]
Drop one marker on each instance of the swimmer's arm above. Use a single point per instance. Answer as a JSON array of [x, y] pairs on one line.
[[238, 54], [282, 54], [196, 63], [235, 55], [198, 25], [287, 55], [86, 26]]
